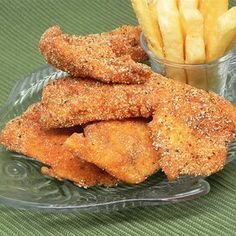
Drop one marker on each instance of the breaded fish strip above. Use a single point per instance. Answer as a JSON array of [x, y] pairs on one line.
[[188, 149], [189, 116], [24, 134], [122, 148], [71, 101], [193, 129], [108, 57]]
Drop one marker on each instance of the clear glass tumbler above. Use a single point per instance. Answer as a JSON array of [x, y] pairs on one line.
[[211, 76]]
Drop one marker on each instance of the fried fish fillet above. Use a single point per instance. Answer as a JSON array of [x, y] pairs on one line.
[[193, 129], [122, 148], [199, 123], [24, 134], [191, 146], [108, 57], [71, 101]]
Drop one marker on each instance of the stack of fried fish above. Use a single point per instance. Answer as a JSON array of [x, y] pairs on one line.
[[112, 119]]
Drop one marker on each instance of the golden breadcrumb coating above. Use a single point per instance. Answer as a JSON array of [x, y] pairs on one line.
[[122, 148], [71, 101], [191, 145], [189, 131], [108, 57], [202, 124], [24, 134]]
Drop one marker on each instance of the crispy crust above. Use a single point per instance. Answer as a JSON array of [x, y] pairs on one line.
[[72, 101], [108, 57], [122, 148], [202, 123], [24, 134], [192, 146]]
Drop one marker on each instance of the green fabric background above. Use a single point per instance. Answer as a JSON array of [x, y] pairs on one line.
[[21, 24]]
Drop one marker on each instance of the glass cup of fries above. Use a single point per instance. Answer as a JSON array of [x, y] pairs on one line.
[[191, 32], [211, 76]]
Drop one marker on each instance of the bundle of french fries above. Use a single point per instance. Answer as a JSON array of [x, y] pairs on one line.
[[187, 31]]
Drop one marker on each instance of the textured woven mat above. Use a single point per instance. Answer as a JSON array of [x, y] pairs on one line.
[[21, 24]]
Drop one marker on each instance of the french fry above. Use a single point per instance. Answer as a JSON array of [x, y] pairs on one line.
[[197, 77], [192, 22], [193, 27], [176, 74], [169, 21], [223, 34], [194, 50], [146, 16], [153, 16], [195, 54], [211, 11], [170, 27], [188, 4]]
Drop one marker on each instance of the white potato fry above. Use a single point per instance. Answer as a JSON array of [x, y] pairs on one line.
[[193, 29], [211, 11], [192, 22], [173, 41], [223, 35], [188, 4], [197, 77], [145, 12], [194, 50], [170, 27], [175, 73]]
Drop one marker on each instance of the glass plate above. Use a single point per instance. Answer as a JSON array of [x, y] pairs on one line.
[[23, 186]]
